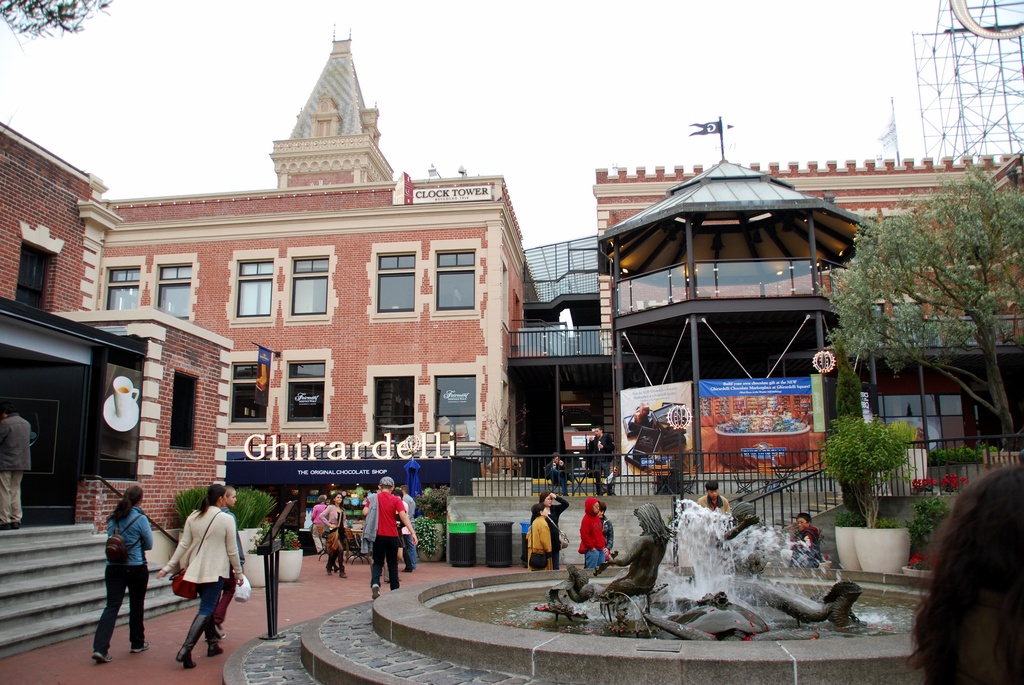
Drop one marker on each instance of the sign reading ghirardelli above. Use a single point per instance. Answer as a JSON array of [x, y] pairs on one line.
[[261, 446]]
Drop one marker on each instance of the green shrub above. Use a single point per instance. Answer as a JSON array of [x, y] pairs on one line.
[[904, 431], [850, 519], [426, 535], [864, 456], [434, 503], [885, 522], [187, 501], [956, 455], [929, 512], [252, 507]]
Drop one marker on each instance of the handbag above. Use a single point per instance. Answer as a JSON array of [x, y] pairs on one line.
[[562, 537], [538, 560], [244, 591], [186, 589]]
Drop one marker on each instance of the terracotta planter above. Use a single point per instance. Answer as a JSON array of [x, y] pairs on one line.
[[847, 546], [438, 554], [882, 550], [289, 565]]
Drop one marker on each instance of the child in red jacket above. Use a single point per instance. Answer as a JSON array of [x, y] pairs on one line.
[[592, 544]]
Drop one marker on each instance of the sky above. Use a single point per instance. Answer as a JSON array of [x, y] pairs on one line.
[[187, 97]]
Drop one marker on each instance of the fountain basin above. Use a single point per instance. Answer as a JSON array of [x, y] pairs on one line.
[[405, 619]]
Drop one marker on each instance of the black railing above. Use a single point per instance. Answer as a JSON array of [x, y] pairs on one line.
[[117, 492], [561, 342]]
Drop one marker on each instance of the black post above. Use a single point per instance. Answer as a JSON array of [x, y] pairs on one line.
[[271, 551]]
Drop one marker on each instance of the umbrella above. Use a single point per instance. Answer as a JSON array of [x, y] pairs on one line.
[[412, 478]]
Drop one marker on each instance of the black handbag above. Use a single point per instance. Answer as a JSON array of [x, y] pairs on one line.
[[538, 560]]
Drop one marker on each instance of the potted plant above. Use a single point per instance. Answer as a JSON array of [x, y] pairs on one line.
[[185, 502], [434, 505], [928, 514], [866, 455], [290, 559], [250, 510], [847, 522]]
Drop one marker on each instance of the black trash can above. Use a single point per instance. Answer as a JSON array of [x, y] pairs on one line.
[[462, 543], [498, 543]]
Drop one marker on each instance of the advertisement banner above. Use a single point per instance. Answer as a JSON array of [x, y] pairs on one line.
[[262, 377], [655, 425], [759, 424], [119, 431]]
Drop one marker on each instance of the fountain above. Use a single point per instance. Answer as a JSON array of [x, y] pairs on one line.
[[411, 620]]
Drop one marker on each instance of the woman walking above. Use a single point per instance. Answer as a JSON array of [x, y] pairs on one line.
[[132, 575], [333, 518], [538, 539], [208, 552]]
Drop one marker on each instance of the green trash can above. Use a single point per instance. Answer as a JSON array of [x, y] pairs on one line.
[[462, 543]]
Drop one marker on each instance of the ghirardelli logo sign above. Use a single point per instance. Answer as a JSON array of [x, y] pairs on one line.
[[452, 396], [259, 446]]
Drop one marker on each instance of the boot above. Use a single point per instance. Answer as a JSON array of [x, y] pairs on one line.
[[212, 640], [184, 656]]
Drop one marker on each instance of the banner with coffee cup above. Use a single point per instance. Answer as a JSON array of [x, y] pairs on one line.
[[121, 411]]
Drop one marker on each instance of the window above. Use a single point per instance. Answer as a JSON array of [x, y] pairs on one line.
[[123, 289], [175, 290], [309, 290], [944, 413], [183, 411], [243, 394], [306, 391], [455, 279], [31, 277], [396, 283], [456, 406], [393, 408], [255, 288]]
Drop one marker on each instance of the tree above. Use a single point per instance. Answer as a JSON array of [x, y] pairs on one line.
[[947, 272], [37, 18], [847, 385]]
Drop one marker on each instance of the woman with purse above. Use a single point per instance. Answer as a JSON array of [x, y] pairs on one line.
[[333, 517], [206, 552], [553, 508], [538, 541], [132, 525]]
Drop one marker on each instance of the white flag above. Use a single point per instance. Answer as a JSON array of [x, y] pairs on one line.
[[890, 145]]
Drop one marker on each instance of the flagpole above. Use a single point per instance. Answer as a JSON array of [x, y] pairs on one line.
[[721, 136]]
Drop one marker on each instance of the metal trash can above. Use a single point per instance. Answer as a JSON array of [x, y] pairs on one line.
[[498, 543], [525, 525], [462, 543]]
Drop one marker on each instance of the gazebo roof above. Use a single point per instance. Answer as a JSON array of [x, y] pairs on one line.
[[736, 213]]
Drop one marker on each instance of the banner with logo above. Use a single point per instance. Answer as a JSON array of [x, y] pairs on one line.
[[655, 425], [263, 377]]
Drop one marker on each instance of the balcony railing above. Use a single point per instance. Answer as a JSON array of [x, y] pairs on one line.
[[724, 279], [561, 342]]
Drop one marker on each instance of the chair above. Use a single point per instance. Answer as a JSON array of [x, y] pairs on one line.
[[354, 547]]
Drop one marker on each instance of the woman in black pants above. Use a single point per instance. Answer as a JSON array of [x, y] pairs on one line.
[[555, 505], [132, 575]]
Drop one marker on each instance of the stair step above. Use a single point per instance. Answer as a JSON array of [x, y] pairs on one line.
[[14, 556]]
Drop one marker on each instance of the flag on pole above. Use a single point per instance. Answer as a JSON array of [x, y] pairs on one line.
[[708, 129], [263, 377], [888, 139]]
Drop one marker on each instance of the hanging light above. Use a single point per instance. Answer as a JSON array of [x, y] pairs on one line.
[[824, 361]]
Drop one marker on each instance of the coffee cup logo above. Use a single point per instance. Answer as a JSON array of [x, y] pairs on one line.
[[126, 397]]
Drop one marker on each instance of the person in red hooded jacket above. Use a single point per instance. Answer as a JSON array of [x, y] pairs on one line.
[[592, 544]]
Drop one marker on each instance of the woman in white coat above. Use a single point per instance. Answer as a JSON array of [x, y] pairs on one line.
[[208, 550]]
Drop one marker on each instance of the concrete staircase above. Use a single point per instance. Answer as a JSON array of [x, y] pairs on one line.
[[52, 589]]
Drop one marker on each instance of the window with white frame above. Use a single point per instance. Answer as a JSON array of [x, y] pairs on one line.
[[255, 288], [306, 391], [455, 280], [396, 283], [123, 289], [309, 286], [174, 290], [243, 394]]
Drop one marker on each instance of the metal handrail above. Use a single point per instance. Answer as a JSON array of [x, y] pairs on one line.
[[117, 492]]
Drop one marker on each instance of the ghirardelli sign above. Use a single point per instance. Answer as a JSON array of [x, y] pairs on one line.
[[271, 447]]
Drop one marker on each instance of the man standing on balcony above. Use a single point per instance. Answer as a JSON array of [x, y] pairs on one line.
[[601, 445]]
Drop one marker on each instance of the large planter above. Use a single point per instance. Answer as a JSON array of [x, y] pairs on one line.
[[254, 570], [162, 547], [847, 547], [882, 550], [289, 565], [245, 535], [438, 554]]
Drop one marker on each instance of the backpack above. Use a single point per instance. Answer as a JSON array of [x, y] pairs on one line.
[[116, 552]]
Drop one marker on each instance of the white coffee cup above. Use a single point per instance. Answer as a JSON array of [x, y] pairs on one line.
[[126, 397]]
